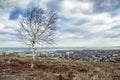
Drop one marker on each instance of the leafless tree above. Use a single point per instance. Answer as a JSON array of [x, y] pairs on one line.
[[37, 26]]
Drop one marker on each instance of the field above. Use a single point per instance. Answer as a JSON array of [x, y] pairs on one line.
[[18, 68]]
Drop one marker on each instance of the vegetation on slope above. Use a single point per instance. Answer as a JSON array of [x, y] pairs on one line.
[[12, 68]]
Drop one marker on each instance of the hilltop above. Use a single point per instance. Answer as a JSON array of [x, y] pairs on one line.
[[13, 67]]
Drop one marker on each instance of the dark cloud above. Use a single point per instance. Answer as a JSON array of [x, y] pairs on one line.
[[78, 10], [100, 6], [78, 32], [7, 33], [81, 22], [5, 4], [117, 27], [8, 36], [113, 36], [54, 4], [114, 32], [8, 39], [70, 30], [19, 11], [74, 21], [10, 27], [51, 4], [15, 13], [110, 35], [7, 27], [33, 3]]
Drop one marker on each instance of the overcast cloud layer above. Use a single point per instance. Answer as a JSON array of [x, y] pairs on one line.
[[81, 22]]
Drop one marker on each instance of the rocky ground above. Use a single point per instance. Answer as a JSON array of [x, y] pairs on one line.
[[18, 68]]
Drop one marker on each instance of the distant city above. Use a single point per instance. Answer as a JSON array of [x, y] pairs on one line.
[[74, 53]]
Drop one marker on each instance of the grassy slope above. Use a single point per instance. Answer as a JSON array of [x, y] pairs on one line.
[[50, 69]]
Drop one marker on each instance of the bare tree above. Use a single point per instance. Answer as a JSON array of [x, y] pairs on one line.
[[36, 27]]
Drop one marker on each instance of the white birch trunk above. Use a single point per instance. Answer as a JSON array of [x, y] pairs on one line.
[[33, 56]]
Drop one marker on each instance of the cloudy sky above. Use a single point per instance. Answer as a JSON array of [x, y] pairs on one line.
[[81, 22]]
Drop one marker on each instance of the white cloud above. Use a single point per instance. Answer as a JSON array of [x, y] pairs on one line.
[[69, 5], [4, 21], [11, 44], [1, 26], [94, 26], [74, 9]]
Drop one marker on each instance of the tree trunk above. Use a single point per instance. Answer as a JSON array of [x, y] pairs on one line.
[[33, 56]]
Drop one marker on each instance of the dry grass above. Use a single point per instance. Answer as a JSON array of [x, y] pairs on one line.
[[12, 68]]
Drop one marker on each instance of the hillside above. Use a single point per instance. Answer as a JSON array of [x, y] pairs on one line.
[[18, 68]]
